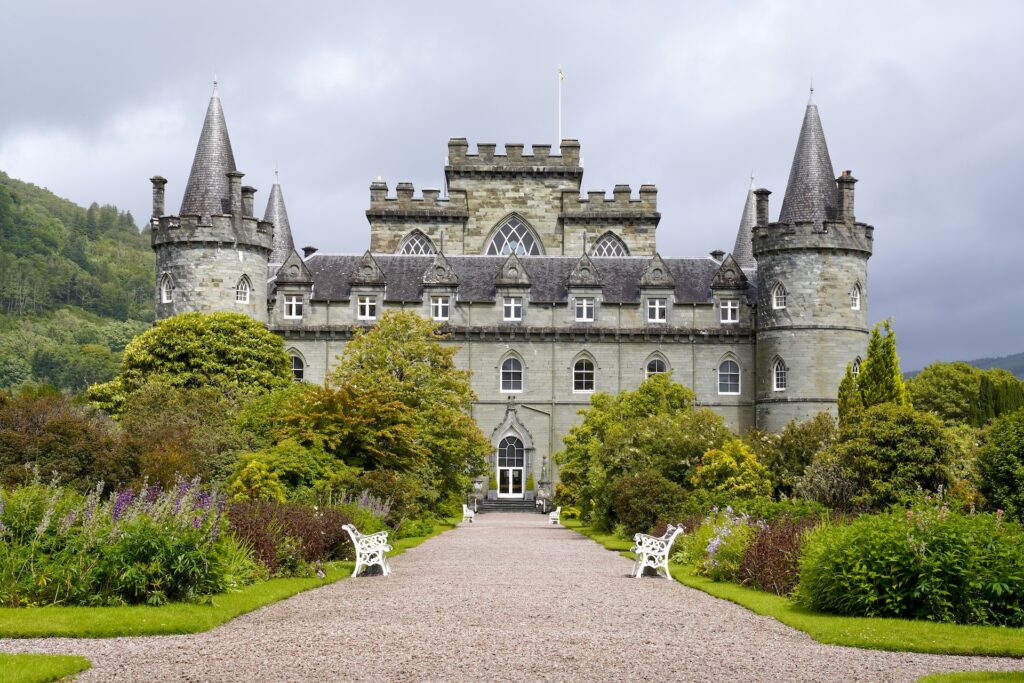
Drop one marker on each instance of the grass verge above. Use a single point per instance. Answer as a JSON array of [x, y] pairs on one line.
[[974, 677], [901, 635], [175, 618], [39, 668]]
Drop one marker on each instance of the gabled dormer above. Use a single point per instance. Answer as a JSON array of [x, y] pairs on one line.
[[440, 273], [440, 289], [512, 286], [657, 274], [584, 274], [512, 273], [730, 276], [293, 271], [728, 289], [367, 272], [293, 292], [584, 287], [657, 293], [368, 290]]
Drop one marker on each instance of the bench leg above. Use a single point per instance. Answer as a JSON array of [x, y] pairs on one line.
[[359, 565]]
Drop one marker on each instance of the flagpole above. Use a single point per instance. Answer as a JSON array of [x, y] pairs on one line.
[[560, 79]]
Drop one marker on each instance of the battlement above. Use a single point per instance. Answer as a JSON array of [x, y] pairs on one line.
[[621, 204], [222, 230], [541, 160], [404, 204], [829, 235]]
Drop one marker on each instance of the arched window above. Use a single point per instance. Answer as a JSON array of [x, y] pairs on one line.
[[416, 243], [779, 297], [729, 377], [298, 367], [583, 376], [779, 375], [242, 290], [855, 297], [514, 237], [511, 452], [655, 366], [856, 367], [610, 245], [511, 374], [166, 289]]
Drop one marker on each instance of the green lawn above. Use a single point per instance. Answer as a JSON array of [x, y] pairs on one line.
[[878, 634], [974, 677], [142, 620], [39, 668]]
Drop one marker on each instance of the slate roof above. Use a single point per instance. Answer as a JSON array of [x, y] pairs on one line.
[[278, 215], [743, 252], [207, 191], [620, 276], [812, 193]]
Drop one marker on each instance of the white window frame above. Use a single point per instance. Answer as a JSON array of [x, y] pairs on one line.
[[512, 371], [739, 378], [301, 374], [584, 371], [440, 307], [780, 375], [647, 367], [512, 308], [779, 295], [729, 311], [366, 307], [656, 305], [293, 305], [166, 289], [585, 308], [855, 296], [243, 290]]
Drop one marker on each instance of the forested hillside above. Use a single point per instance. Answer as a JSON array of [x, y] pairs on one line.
[[75, 285], [1014, 364]]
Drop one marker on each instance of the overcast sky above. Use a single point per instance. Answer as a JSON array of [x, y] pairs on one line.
[[922, 100]]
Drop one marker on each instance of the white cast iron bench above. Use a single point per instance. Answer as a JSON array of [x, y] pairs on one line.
[[370, 549], [652, 551], [556, 516], [467, 514]]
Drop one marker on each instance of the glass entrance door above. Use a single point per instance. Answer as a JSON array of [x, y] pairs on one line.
[[511, 463]]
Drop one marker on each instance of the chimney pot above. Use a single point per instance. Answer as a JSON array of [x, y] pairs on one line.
[[718, 255], [308, 251]]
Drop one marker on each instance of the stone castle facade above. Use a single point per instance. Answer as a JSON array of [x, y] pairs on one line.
[[549, 295]]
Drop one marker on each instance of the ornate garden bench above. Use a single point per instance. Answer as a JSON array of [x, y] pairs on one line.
[[652, 551], [370, 549], [467, 514], [556, 516]]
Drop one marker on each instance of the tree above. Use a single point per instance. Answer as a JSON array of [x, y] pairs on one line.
[[1001, 465], [732, 471], [787, 454], [879, 380], [229, 352], [958, 392]]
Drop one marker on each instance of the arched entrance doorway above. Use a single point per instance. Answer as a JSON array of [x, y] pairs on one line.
[[511, 465]]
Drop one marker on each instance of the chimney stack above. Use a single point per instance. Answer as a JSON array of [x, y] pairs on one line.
[[248, 194], [158, 195], [761, 196], [718, 255], [308, 251], [846, 182], [235, 192]]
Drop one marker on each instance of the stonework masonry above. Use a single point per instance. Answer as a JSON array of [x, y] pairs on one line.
[[567, 289]]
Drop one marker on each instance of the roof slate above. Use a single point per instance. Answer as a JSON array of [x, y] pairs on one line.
[[278, 215], [812, 193], [549, 275], [208, 191], [743, 252]]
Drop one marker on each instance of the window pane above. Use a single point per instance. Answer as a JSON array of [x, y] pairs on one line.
[[513, 237], [656, 366], [511, 375], [729, 377], [610, 245], [416, 243], [583, 376]]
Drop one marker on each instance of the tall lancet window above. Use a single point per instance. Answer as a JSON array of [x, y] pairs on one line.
[[242, 290], [416, 244], [610, 245], [514, 237], [166, 289]]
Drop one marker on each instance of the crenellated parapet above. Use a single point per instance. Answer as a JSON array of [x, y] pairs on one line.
[[596, 205], [403, 205], [486, 161], [221, 230]]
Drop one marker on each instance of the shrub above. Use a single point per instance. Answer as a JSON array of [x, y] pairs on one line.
[[1001, 465], [287, 537], [922, 563], [255, 481], [772, 559], [402, 491], [642, 499], [733, 472], [723, 555]]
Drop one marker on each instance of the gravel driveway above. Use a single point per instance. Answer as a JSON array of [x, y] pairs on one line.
[[506, 598]]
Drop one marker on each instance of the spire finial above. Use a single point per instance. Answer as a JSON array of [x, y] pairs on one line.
[[215, 93], [810, 99], [751, 179], [277, 177]]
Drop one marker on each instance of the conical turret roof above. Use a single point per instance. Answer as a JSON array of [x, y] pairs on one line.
[[812, 193], [207, 191], [278, 215], [743, 252]]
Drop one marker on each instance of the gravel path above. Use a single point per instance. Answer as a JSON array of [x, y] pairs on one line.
[[507, 598]]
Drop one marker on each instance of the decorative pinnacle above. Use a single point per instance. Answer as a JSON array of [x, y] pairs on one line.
[[810, 99]]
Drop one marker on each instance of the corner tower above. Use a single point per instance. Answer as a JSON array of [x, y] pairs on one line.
[[213, 256], [812, 286]]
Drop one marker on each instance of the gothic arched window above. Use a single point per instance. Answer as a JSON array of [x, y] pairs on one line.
[[242, 290], [729, 377], [514, 237], [583, 376], [610, 244], [656, 366], [512, 374], [855, 370], [166, 289], [855, 297], [779, 378], [779, 294], [415, 244], [298, 367], [511, 452]]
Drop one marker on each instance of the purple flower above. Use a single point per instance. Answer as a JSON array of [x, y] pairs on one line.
[[122, 499], [197, 522]]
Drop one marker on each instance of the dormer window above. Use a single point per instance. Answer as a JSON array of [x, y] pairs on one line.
[[293, 306], [584, 309], [730, 311], [657, 310], [440, 307], [367, 307], [779, 297], [512, 308]]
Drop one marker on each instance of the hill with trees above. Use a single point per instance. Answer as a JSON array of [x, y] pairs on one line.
[[76, 284], [1014, 363]]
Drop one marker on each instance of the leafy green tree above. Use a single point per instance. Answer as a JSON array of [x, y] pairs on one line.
[[732, 471], [958, 392], [230, 352], [1001, 465], [880, 379], [643, 499], [256, 481], [787, 454]]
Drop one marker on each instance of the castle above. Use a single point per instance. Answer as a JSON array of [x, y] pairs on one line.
[[549, 295]]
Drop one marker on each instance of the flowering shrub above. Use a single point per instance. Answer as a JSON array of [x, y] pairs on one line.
[[138, 546], [772, 559], [923, 563], [717, 546]]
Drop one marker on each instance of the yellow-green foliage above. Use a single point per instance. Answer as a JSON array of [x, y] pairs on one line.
[[733, 471], [255, 481]]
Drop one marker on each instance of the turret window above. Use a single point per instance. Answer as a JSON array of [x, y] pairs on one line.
[[293, 307], [779, 375], [779, 297], [166, 290], [729, 377], [583, 376], [610, 245], [855, 370], [514, 237], [512, 375], [242, 290], [855, 298], [367, 307], [730, 311]]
